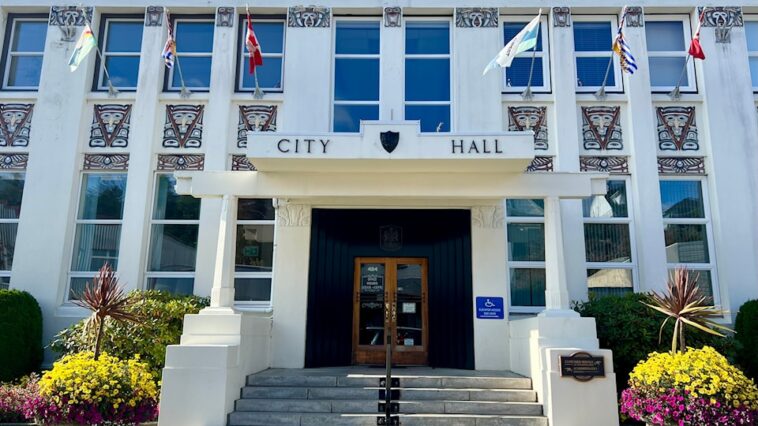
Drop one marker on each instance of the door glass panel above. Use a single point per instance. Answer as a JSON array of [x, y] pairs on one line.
[[371, 314], [409, 308]]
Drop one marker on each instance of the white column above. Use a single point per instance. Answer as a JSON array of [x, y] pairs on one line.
[[222, 292], [391, 102], [556, 283]]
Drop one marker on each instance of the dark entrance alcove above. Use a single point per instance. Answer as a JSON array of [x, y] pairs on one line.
[[339, 236]]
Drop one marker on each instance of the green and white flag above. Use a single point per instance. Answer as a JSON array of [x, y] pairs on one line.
[[83, 46], [526, 39]]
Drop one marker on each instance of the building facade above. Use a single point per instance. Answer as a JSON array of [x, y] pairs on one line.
[[378, 166]]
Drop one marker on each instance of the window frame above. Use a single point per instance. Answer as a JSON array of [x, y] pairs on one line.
[[521, 264], [5, 61], [168, 75], [6, 273], [617, 74], [249, 304], [687, 34], [242, 53], [99, 83], [753, 18], [544, 54]]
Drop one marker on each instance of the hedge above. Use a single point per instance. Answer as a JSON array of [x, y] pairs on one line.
[[20, 334], [746, 326]]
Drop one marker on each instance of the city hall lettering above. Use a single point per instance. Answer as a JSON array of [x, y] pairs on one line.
[[484, 146], [298, 146]]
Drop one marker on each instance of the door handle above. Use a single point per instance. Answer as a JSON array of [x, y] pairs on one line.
[[394, 312]]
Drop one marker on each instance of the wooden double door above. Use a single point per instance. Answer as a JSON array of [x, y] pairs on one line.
[[390, 300]]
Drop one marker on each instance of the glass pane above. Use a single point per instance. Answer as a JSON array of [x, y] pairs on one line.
[[11, 193], [255, 209], [102, 196], [255, 248], [607, 242], [526, 242], [525, 208], [409, 309], [269, 74], [7, 244], [169, 205], [356, 79], [357, 38], [510, 29], [427, 37], [5, 283], [434, 118], [124, 36], [664, 36], [753, 61], [527, 287], [24, 71], [751, 34], [77, 286], [686, 243], [665, 72], [123, 70], [180, 286], [427, 79], [682, 199], [252, 289], [194, 37], [29, 36], [270, 35], [612, 204], [95, 245], [371, 323], [518, 73], [347, 118], [173, 247], [598, 292], [196, 71], [591, 72], [615, 278], [592, 36]]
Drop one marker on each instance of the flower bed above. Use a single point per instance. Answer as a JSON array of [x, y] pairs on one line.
[[13, 396]]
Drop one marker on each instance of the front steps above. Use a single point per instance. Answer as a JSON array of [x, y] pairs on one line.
[[351, 396]]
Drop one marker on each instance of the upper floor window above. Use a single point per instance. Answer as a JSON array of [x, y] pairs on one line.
[[11, 193], [751, 34], [427, 74], [525, 233], [356, 74], [270, 35], [254, 254], [24, 48], [517, 75], [668, 39], [593, 39], [194, 49], [121, 44]]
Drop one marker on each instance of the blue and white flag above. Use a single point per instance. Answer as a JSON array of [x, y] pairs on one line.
[[526, 39], [626, 59]]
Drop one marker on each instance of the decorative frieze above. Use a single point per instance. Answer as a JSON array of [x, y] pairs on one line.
[[181, 162], [309, 17], [677, 128], [291, 215], [476, 17], [530, 118], [541, 164], [635, 17], [11, 161], [154, 16], [561, 17], [601, 128], [67, 18], [255, 118], [110, 126], [612, 165], [490, 217], [722, 19], [106, 161], [393, 17], [225, 17], [681, 165], [15, 124], [240, 163], [183, 127]]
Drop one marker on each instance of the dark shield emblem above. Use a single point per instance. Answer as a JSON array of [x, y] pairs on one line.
[[389, 140], [390, 237]]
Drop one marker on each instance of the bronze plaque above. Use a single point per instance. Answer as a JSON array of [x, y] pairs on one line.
[[582, 366]]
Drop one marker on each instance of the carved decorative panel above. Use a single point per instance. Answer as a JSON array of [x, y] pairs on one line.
[[681, 165], [106, 161], [530, 118], [561, 17], [393, 17], [635, 17], [293, 215], [722, 19], [476, 17], [14, 161], [15, 124], [110, 126], [184, 126], [601, 128], [240, 163], [259, 118], [154, 16], [225, 17], [488, 216], [309, 17], [541, 164], [71, 16], [677, 129], [181, 162], [613, 165]]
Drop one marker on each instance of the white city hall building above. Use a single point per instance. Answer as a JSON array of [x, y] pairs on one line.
[[380, 187]]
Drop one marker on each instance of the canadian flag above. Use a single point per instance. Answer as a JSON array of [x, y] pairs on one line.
[[253, 48], [695, 49]]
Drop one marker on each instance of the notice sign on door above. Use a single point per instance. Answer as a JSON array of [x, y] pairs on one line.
[[490, 308]]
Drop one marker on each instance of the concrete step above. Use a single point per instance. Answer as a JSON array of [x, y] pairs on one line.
[[329, 419], [414, 394], [405, 382]]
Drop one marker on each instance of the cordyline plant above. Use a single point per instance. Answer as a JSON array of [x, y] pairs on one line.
[[105, 297], [685, 303]]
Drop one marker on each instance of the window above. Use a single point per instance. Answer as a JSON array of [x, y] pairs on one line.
[[686, 227], [751, 34], [668, 40], [593, 38], [607, 241], [98, 227], [517, 75], [173, 239], [121, 44], [525, 232], [194, 48], [11, 193], [427, 74], [254, 256], [25, 46], [356, 74], [270, 34]]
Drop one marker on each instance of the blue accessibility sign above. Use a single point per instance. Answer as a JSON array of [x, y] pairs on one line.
[[490, 308]]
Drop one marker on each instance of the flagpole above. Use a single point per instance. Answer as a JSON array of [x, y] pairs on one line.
[[527, 94], [257, 93], [112, 91], [600, 94], [676, 94], [183, 91]]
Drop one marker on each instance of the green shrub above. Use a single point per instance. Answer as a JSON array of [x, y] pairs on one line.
[[746, 326], [163, 315], [20, 334]]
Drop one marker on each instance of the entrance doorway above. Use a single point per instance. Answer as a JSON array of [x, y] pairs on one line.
[[390, 299]]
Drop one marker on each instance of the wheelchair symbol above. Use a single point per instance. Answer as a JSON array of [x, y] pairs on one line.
[[488, 304]]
